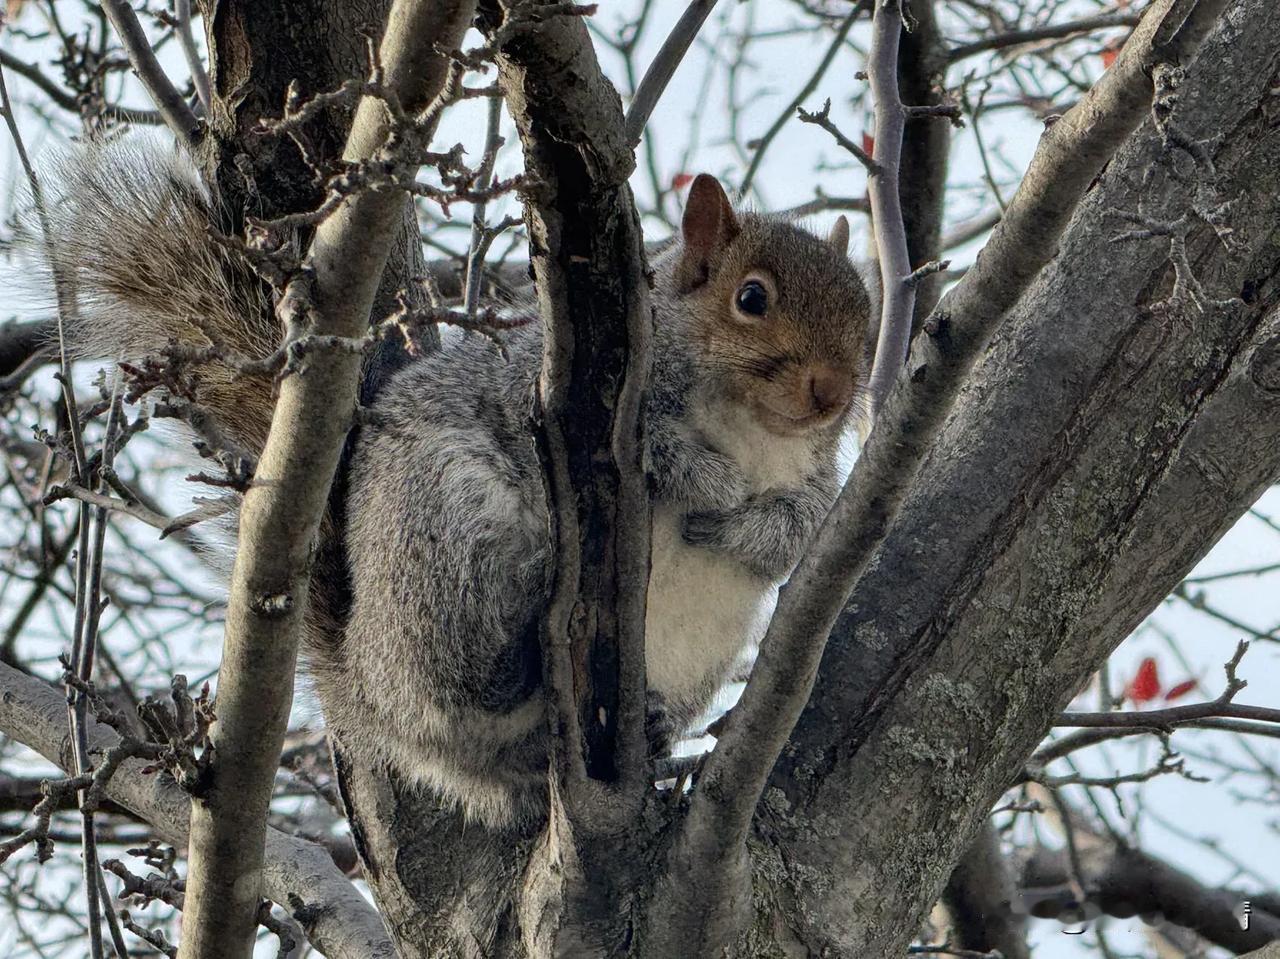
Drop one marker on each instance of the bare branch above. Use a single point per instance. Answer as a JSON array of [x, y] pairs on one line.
[[898, 296], [664, 67], [177, 115], [1071, 153], [823, 119], [1052, 31], [199, 76], [762, 145], [297, 874], [282, 511]]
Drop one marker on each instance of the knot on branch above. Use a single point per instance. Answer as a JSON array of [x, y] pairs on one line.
[[1264, 366]]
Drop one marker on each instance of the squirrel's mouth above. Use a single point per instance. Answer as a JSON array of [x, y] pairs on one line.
[[789, 423]]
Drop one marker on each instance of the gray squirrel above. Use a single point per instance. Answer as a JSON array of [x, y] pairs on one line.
[[759, 366]]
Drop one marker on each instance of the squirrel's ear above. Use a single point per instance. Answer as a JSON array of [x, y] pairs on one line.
[[708, 227], [839, 237]]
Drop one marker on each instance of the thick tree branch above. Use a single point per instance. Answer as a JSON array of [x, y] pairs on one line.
[[297, 874], [1070, 155], [1044, 533], [281, 516], [588, 262]]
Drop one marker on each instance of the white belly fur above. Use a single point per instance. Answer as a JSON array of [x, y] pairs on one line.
[[703, 609]]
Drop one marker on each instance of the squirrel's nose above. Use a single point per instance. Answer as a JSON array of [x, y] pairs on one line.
[[830, 387]]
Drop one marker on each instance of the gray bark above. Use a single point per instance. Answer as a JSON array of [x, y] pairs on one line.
[[283, 510], [1097, 453]]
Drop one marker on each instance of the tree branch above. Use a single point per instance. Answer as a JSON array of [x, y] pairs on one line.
[[926, 147], [588, 261], [664, 67], [1122, 881], [1052, 31], [297, 874], [1044, 533], [1070, 155], [280, 518], [177, 115], [837, 41], [199, 76], [897, 296]]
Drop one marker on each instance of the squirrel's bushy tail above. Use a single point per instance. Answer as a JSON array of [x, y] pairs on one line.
[[131, 226]]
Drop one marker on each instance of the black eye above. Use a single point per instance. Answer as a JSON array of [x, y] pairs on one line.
[[752, 298]]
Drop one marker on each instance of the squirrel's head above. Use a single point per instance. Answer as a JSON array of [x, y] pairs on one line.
[[781, 315]]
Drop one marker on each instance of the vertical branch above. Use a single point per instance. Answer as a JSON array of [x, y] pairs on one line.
[[477, 249], [587, 254], [926, 144], [177, 115], [83, 652], [898, 293], [1070, 156], [282, 511], [86, 597]]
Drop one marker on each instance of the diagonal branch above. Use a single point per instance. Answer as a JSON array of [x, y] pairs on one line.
[[664, 67], [297, 874], [1092, 460], [280, 519], [1071, 154], [177, 115]]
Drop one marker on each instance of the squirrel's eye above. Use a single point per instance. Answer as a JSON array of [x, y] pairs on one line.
[[752, 298]]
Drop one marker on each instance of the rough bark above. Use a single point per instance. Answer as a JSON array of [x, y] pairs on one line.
[[586, 251], [1097, 453], [926, 145]]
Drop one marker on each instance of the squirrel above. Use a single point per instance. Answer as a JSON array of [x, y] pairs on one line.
[[759, 366]]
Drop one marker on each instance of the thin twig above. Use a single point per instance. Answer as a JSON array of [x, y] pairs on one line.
[[822, 118], [199, 76], [478, 247], [66, 302], [762, 145], [1053, 31]]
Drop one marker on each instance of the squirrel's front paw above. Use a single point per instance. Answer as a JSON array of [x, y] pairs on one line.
[[660, 731], [704, 528], [717, 483]]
